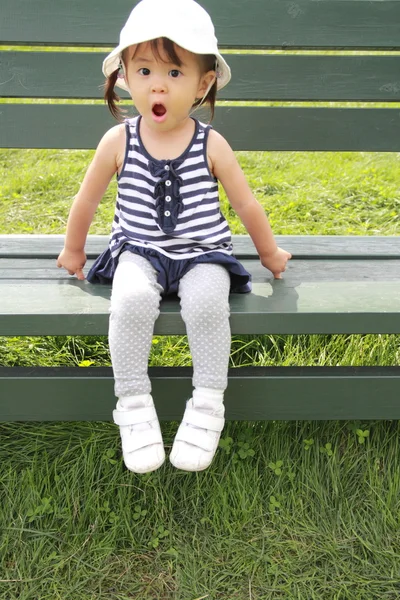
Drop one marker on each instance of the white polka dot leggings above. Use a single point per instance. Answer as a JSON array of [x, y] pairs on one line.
[[135, 302]]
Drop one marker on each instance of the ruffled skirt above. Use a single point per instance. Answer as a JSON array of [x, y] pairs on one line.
[[169, 270]]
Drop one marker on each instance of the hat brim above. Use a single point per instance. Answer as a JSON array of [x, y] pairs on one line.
[[112, 61]]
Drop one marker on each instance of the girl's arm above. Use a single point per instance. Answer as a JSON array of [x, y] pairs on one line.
[[108, 157], [227, 170]]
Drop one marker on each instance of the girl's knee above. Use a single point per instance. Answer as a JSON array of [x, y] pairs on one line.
[[206, 310], [139, 304]]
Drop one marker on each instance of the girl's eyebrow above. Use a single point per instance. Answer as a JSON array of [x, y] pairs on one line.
[[141, 59]]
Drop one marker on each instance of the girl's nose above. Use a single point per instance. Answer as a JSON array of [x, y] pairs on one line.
[[158, 86]]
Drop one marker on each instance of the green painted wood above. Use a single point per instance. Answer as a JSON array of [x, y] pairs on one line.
[[313, 247], [73, 394], [312, 271], [328, 296], [299, 77], [246, 128], [261, 23], [316, 295]]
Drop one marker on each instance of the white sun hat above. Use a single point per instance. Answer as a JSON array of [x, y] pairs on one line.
[[182, 21]]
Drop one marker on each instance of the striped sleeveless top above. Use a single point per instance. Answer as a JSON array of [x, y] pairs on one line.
[[171, 206]]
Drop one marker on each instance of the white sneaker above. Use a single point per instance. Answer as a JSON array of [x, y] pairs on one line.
[[142, 444], [198, 435]]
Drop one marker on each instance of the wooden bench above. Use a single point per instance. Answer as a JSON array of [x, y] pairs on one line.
[[334, 284]]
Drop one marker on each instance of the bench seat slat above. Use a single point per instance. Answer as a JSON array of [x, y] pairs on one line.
[[276, 23], [309, 247], [299, 77], [44, 270], [77, 394], [315, 297], [245, 128]]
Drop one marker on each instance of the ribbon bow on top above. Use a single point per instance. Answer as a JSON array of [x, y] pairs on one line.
[[169, 202]]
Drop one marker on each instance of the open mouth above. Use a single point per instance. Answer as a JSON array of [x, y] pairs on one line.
[[159, 110]]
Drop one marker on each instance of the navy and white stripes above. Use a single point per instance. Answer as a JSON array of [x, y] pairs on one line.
[[169, 206]]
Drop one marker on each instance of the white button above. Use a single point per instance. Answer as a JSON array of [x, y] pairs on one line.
[[168, 183], [167, 198], [166, 167], [167, 213]]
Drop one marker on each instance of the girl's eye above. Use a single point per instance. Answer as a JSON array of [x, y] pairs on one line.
[[144, 71], [175, 73]]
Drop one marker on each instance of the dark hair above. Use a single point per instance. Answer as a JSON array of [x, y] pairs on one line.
[[169, 49]]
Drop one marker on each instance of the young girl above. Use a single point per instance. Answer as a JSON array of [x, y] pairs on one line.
[[168, 234]]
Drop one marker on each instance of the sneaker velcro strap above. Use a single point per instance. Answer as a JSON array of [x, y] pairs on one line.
[[197, 437], [134, 416], [200, 419], [141, 439]]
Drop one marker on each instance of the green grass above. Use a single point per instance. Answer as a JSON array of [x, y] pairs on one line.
[[287, 510], [303, 193], [261, 350], [324, 524]]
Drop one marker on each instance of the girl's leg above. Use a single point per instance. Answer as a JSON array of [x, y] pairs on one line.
[[204, 294], [135, 302]]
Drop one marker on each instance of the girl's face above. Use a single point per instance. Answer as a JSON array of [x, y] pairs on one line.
[[164, 92]]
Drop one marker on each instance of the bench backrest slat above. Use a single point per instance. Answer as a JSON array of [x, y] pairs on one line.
[[256, 23], [246, 128], [308, 129], [290, 77]]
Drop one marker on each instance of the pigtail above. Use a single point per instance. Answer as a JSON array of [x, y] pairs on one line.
[[210, 99], [110, 96], [209, 64]]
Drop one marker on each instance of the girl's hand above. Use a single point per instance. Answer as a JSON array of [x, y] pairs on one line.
[[276, 262], [73, 261]]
